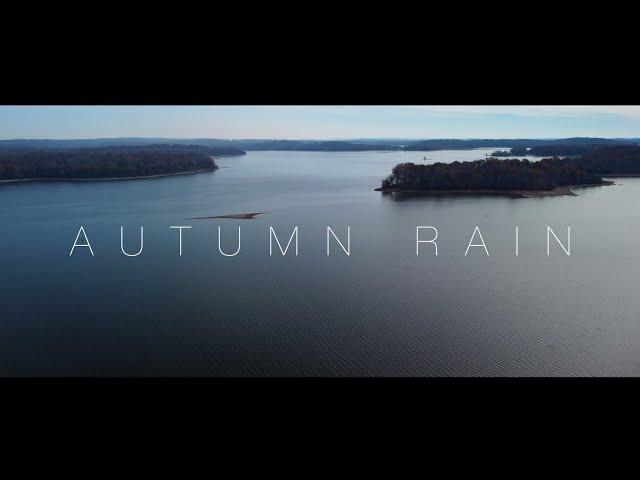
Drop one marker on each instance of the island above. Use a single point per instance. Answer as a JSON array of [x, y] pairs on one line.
[[490, 176], [109, 163], [618, 161], [516, 177]]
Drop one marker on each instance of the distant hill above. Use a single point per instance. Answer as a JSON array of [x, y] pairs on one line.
[[46, 144], [522, 143], [297, 145], [315, 145]]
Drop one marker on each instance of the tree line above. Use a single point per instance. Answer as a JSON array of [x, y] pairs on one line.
[[489, 174], [317, 145], [547, 150], [108, 162], [517, 174]]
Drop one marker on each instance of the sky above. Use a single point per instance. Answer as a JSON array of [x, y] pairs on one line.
[[319, 122]]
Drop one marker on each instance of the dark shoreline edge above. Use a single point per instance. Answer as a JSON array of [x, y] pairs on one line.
[[108, 179], [565, 190]]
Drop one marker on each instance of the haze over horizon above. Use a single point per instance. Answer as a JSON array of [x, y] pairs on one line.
[[318, 122], [345, 139]]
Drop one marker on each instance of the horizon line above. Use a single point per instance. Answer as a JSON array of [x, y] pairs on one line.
[[326, 139]]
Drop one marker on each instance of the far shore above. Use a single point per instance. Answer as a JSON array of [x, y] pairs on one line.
[[556, 192]]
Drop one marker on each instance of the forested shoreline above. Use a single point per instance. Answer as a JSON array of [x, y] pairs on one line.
[[108, 162], [549, 150], [489, 174], [364, 144], [584, 164], [493, 174]]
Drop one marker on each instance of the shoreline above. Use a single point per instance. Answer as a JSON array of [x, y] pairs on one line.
[[106, 179], [565, 190]]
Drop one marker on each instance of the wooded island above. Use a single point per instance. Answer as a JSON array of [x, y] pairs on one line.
[[516, 176]]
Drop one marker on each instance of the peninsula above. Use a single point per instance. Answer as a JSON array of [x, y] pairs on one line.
[[108, 163]]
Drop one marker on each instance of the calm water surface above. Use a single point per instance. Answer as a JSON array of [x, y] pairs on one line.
[[381, 311]]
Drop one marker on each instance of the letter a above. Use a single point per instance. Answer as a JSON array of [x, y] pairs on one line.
[[76, 244], [471, 244]]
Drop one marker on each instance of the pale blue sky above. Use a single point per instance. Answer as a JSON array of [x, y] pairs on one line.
[[318, 122]]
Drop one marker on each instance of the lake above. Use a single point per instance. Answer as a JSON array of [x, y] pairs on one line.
[[382, 311]]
